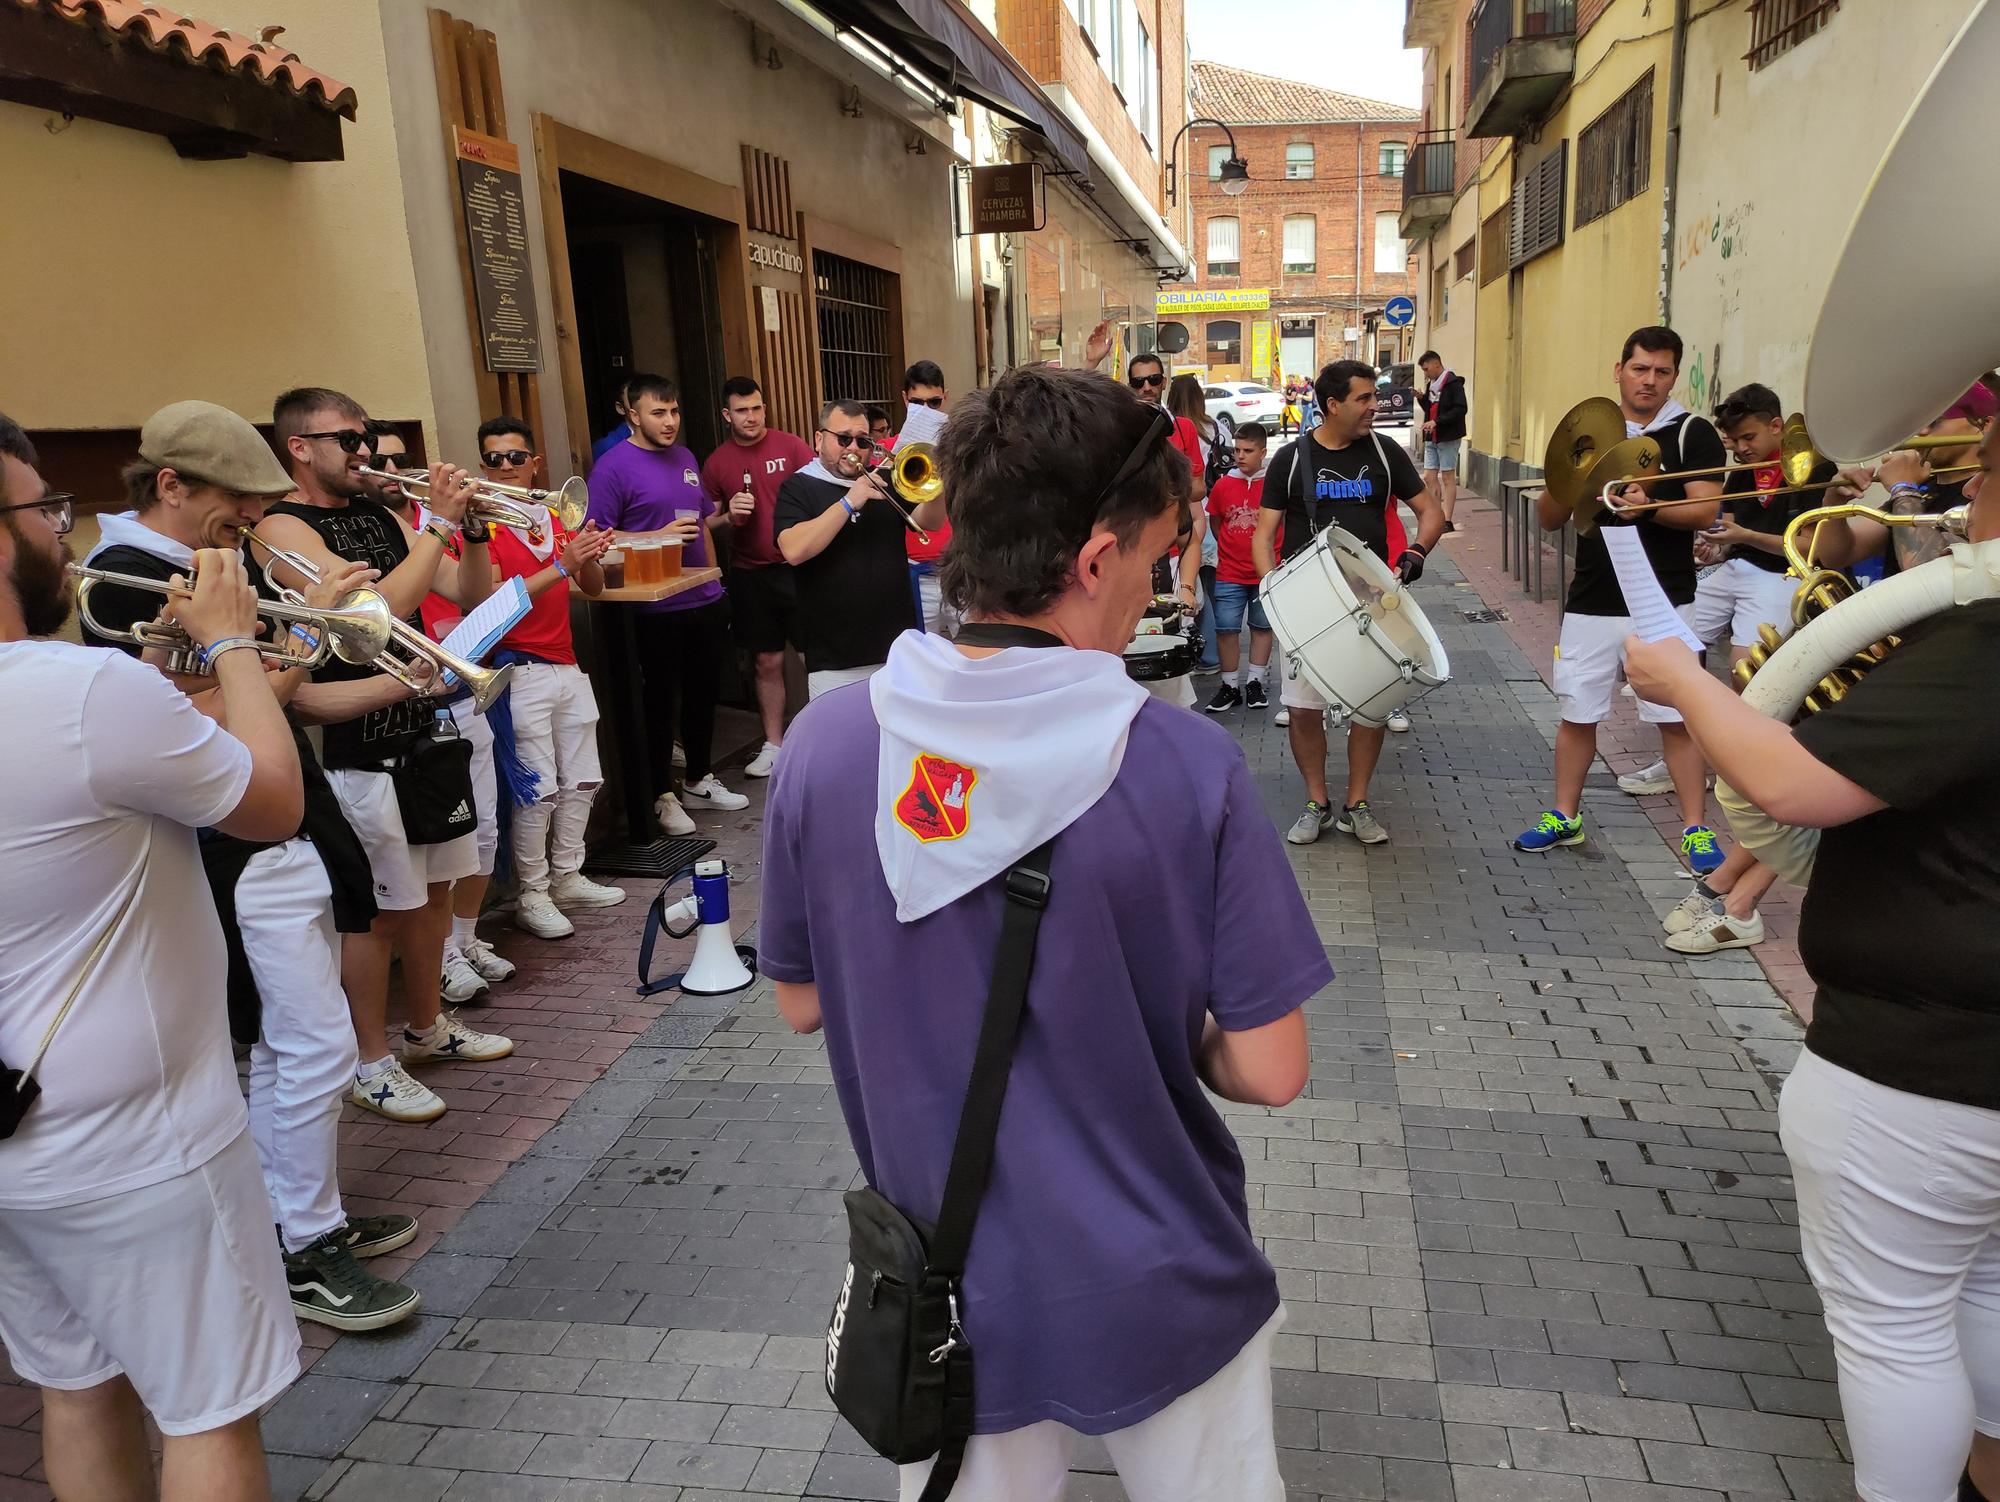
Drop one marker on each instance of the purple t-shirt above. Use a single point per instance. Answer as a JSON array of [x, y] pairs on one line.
[[639, 490], [1112, 1267]]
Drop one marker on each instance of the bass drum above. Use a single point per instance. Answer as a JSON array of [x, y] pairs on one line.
[[1349, 626]]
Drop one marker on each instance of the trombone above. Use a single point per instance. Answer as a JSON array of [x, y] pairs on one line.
[[911, 473], [509, 505], [357, 630], [419, 662]]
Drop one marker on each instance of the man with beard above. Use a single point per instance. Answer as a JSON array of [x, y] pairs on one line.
[[326, 437], [651, 484], [138, 1277], [202, 479], [841, 529], [742, 478]]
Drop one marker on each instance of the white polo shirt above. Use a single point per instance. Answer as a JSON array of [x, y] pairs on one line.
[[106, 770]]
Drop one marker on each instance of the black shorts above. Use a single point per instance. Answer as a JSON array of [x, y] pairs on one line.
[[766, 607]]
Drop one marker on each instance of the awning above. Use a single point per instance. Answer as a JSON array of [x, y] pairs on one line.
[[960, 56]]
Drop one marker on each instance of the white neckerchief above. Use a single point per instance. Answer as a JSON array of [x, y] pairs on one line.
[[126, 529], [1671, 413], [982, 759]]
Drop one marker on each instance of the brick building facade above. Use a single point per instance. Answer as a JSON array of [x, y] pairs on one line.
[[1316, 228]]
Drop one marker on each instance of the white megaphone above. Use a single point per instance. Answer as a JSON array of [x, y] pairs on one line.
[[720, 965]]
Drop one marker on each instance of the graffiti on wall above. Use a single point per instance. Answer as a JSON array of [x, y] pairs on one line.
[[1716, 240], [1716, 233]]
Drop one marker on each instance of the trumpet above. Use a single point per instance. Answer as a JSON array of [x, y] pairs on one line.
[[357, 630], [418, 663], [911, 472], [509, 505]]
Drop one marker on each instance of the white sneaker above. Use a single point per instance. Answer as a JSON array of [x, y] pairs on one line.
[[452, 1039], [710, 793], [578, 890], [1647, 782], [1682, 915], [482, 957], [764, 763], [1715, 930], [1398, 722], [459, 983], [673, 818], [1282, 718], [538, 915], [393, 1094]]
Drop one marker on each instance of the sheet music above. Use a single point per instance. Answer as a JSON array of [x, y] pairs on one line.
[[1653, 615], [480, 632], [921, 424]]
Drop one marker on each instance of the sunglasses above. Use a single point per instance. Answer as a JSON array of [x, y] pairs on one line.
[[849, 440], [351, 440], [58, 508], [933, 402], [506, 458], [1159, 430], [1137, 382]]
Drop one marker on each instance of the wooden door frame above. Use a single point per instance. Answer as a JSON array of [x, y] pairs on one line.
[[563, 148]]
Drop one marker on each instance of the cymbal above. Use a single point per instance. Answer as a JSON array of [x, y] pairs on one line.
[[1585, 432]]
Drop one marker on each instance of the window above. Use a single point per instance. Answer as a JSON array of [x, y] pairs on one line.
[[1300, 259], [859, 350], [1225, 340], [1217, 155], [1461, 262], [1145, 91], [1299, 159], [1450, 103], [1614, 154], [1392, 157], [1391, 255], [1090, 15], [1117, 51], [1493, 246], [1535, 213], [1440, 297], [1777, 26], [1225, 254]]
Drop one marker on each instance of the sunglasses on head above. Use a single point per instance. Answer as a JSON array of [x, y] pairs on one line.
[[506, 458], [351, 440], [848, 440], [1159, 430]]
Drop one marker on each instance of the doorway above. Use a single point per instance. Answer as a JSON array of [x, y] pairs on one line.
[[644, 284]]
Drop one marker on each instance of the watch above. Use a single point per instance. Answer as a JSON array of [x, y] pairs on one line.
[[475, 529]]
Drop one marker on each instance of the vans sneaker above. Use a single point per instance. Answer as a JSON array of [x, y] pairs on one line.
[[329, 1287], [374, 1235], [536, 912], [451, 1039], [393, 1094], [710, 793]]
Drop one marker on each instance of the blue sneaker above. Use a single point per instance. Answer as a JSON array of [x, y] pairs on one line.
[[1551, 830], [1700, 849]]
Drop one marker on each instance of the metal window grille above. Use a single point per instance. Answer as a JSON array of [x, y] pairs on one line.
[[1777, 26], [1535, 221], [1614, 154], [1461, 262], [855, 346]]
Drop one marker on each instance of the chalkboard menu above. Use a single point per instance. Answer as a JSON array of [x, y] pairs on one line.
[[496, 232]]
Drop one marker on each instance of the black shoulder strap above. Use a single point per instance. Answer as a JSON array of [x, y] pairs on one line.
[[972, 1149]]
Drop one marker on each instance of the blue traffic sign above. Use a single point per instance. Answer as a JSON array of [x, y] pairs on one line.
[[1399, 312]]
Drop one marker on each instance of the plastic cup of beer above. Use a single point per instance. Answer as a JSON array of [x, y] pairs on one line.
[[613, 563], [643, 564], [668, 550]]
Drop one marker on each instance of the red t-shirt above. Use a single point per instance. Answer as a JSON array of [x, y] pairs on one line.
[[1234, 504], [919, 550], [1188, 441], [769, 462], [543, 633]]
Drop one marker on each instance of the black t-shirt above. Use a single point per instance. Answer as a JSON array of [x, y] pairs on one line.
[[1901, 924], [1751, 509], [854, 596], [364, 531], [1352, 487], [1594, 589]]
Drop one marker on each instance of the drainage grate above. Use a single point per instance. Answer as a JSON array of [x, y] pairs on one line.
[[1484, 617]]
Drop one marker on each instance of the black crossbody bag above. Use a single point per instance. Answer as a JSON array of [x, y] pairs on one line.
[[433, 781], [897, 1363]]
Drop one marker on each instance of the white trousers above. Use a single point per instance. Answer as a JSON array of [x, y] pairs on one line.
[[555, 733], [1217, 1443], [939, 618], [304, 1059], [1899, 1216], [828, 679], [485, 790], [1739, 597]]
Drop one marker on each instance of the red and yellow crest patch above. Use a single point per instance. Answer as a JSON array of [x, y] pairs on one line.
[[937, 805]]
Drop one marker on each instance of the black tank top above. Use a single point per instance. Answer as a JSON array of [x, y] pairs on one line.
[[364, 531]]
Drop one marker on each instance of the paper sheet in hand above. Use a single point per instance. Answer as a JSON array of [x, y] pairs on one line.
[[921, 425], [478, 634], [1653, 615]]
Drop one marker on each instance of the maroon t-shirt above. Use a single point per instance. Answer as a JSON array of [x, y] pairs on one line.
[[768, 462]]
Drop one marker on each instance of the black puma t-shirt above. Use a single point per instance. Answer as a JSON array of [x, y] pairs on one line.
[[1594, 589], [1353, 487]]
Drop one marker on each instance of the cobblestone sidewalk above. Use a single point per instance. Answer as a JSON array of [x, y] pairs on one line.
[[1531, 1219]]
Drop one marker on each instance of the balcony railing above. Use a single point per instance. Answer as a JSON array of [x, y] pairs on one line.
[[1495, 23], [1522, 52], [1431, 167]]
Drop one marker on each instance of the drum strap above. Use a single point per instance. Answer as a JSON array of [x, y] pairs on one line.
[[1307, 501], [1004, 634]]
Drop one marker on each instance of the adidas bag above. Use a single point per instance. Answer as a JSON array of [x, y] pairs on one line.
[[434, 786]]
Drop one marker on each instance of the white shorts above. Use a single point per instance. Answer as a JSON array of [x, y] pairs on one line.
[[1174, 690], [485, 789], [403, 872], [1740, 596], [1589, 653], [1294, 690], [1217, 1443], [177, 1285], [555, 726], [828, 679]]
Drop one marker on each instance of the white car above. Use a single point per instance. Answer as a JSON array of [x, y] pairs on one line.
[[1233, 403]]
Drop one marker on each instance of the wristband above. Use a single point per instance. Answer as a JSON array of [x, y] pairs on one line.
[[560, 568], [1418, 548], [436, 527], [1908, 488], [852, 514], [215, 649]]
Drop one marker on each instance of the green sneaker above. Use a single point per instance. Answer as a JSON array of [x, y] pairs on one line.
[[1552, 829], [372, 1235], [330, 1288]]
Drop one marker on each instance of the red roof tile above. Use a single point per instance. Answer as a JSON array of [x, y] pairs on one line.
[[1236, 96], [207, 45]]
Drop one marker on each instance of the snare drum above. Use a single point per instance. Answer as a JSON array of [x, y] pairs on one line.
[[1156, 658], [1331, 609]]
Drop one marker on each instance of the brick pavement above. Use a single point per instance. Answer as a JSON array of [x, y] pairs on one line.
[[1531, 1219]]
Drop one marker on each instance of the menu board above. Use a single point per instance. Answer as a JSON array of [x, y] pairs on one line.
[[496, 232]]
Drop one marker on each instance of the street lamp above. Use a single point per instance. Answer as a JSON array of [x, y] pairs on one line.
[[1235, 174]]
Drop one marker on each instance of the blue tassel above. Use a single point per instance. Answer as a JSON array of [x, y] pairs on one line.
[[519, 783]]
